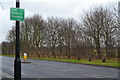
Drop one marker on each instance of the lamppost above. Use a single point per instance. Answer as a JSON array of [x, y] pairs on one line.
[[17, 62]]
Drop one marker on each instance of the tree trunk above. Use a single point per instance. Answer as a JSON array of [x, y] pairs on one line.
[[98, 50], [54, 51]]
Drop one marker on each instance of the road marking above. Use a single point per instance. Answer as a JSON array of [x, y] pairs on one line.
[[93, 76], [7, 75], [97, 76], [21, 72], [104, 76], [108, 77], [13, 70]]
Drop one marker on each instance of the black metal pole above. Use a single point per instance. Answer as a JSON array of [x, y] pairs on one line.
[[17, 62]]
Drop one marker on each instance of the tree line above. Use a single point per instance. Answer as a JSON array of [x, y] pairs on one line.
[[94, 36]]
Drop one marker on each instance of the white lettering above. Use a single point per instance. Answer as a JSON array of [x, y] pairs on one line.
[[16, 16], [16, 13]]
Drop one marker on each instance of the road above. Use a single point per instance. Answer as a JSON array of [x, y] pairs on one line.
[[51, 69]]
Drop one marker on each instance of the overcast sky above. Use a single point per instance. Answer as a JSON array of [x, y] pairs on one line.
[[55, 8]]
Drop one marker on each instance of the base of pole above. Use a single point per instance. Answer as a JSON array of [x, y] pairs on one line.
[[17, 69]]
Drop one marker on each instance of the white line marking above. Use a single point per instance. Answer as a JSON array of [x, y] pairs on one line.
[[92, 75], [13, 70], [108, 77], [97, 76], [104, 76], [7, 75], [21, 72]]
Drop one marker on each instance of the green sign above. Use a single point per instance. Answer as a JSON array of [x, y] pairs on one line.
[[16, 14]]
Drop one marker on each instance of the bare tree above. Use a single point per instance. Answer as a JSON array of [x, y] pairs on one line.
[[32, 32], [100, 25], [109, 28], [93, 27], [52, 28]]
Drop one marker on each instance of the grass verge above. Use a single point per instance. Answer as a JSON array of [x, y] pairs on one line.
[[111, 63]]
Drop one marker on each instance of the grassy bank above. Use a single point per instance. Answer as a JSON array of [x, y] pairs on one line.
[[112, 63]]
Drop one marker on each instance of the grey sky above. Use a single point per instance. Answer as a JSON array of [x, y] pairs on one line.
[[56, 8]]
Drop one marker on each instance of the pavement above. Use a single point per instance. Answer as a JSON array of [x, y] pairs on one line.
[[42, 69]]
